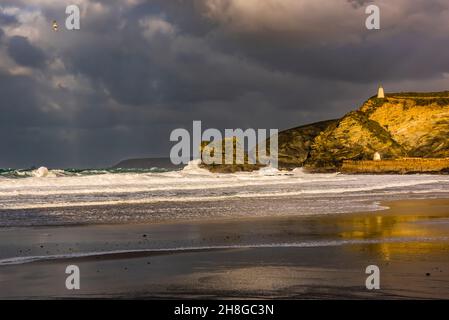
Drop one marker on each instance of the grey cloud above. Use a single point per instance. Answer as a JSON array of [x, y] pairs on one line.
[[360, 3], [129, 90], [6, 19], [24, 53]]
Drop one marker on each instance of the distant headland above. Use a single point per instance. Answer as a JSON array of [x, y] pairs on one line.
[[146, 163]]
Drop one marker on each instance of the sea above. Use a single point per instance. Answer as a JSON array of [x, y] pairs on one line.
[[72, 196]]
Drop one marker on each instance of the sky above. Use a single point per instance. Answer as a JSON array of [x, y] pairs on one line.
[[136, 70]]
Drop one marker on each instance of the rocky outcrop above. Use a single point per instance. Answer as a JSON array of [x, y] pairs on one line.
[[399, 125]]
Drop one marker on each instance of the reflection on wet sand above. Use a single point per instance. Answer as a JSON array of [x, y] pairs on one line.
[[410, 221], [409, 242]]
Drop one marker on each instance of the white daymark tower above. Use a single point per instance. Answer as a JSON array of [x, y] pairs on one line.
[[380, 93]]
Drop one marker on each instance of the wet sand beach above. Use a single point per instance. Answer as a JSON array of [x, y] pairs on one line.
[[300, 257]]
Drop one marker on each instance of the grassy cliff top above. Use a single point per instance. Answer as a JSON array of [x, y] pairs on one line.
[[441, 94]]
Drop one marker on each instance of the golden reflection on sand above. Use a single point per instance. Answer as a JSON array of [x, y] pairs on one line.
[[405, 231]]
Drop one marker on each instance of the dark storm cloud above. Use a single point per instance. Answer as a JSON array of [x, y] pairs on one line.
[[178, 70], [18, 100], [24, 53], [396, 58], [360, 3], [138, 69], [402, 49], [6, 19]]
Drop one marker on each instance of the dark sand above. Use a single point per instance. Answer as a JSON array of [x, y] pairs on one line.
[[409, 242]]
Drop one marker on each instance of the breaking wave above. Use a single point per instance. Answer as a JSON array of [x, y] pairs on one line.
[[54, 173], [177, 194]]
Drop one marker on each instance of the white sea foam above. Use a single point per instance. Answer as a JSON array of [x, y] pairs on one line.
[[269, 171], [41, 172], [305, 244], [193, 168], [193, 183]]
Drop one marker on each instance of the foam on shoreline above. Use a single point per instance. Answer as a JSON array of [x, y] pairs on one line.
[[306, 244]]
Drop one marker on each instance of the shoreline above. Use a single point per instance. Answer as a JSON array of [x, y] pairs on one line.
[[407, 241], [116, 199], [381, 206]]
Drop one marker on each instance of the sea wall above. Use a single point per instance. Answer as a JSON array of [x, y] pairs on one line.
[[402, 166]]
